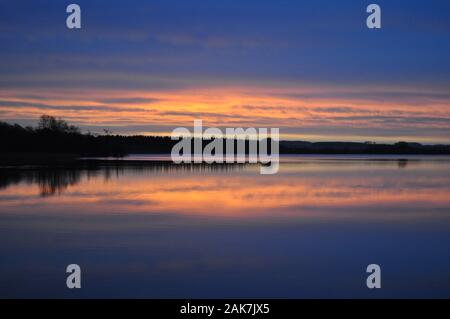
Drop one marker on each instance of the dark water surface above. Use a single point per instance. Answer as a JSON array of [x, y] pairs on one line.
[[160, 230]]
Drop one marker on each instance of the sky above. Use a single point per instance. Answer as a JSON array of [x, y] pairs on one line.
[[311, 68]]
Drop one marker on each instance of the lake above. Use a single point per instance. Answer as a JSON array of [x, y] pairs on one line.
[[157, 230]]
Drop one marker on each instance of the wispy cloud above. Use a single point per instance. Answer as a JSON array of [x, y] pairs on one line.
[[147, 67]]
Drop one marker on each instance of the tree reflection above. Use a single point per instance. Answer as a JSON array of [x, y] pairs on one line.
[[54, 181]]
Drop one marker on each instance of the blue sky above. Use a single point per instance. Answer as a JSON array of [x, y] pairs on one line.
[[317, 53]]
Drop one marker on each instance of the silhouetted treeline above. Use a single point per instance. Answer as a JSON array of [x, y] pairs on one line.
[[16, 138], [299, 147], [55, 136], [58, 137]]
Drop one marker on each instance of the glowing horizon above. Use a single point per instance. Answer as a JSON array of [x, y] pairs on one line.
[[299, 116]]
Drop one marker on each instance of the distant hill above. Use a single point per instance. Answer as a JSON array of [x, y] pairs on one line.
[[300, 147]]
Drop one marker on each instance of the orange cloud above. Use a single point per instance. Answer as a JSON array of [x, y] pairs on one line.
[[302, 113]]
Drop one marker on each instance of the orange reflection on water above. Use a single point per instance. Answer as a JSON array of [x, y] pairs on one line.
[[307, 189]]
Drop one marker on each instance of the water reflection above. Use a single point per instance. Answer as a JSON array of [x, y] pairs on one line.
[[162, 230], [402, 163], [311, 188], [52, 181]]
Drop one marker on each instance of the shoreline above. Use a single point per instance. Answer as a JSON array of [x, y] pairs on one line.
[[72, 160]]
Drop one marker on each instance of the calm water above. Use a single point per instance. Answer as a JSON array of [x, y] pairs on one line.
[[226, 231]]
